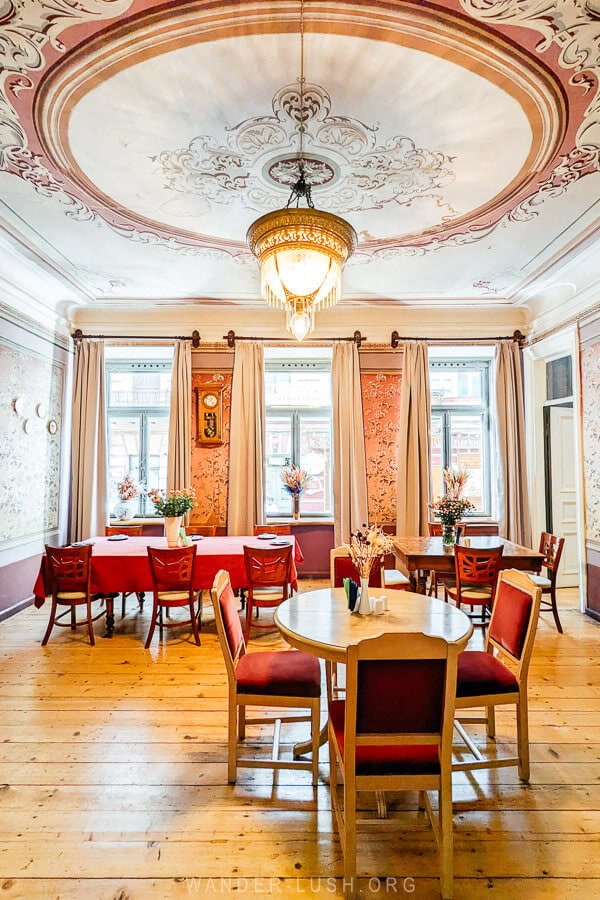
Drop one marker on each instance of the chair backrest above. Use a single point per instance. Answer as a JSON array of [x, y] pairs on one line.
[[435, 529], [477, 566], [130, 530], [229, 627], [269, 567], [69, 568], [205, 530], [552, 547], [270, 528], [172, 570], [341, 566], [513, 623], [402, 687]]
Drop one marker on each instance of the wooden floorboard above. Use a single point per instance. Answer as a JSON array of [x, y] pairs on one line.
[[113, 781]]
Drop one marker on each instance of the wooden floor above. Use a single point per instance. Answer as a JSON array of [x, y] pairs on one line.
[[114, 782]]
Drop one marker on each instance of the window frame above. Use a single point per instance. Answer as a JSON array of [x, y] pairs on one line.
[[145, 509], [446, 412], [296, 414]]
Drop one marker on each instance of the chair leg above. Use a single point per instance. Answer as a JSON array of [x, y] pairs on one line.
[[50, 623], [194, 620], [314, 726], [73, 619], [555, 609], [491, 722], [241, 732], [523, 738], [349, 837], [446, 841], [232, 741], [90, 624], [141, 596], [249, 608], [123, 601], [152, 625]]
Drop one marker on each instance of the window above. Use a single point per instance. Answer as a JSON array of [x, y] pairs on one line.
[[460, 426], [298, 430], [138, 403]]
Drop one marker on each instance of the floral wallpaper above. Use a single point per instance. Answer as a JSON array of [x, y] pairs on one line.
[[31, 392], [590, 387], [210, 464], [381, 413]]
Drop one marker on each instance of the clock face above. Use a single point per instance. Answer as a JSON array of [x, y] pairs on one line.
[[210, 400]]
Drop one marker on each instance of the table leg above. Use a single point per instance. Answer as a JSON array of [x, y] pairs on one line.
[[418, 581], [304, 747], [110, 617]]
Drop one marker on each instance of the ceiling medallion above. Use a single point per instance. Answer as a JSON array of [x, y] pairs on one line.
[[301, 251]]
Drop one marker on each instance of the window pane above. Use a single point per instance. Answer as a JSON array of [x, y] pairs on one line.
[[437, 456], [456, 387], [559, 379], [278, 447], [315, 458], [156, 464], [466, 452], [124, 437], [298, 388], [141, 389]]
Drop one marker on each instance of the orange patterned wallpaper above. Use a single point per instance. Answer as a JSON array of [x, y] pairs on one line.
[[210, 465], [381, 412]]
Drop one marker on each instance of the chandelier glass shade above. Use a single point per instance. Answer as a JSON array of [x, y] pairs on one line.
[[301, 254]]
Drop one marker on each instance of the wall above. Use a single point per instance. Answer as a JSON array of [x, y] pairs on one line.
[[35, 439], [381, 412], [590, 399]]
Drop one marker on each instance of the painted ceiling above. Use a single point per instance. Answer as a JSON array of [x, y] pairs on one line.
[[139, 140]]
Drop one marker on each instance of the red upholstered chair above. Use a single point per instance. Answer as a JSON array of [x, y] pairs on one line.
[[281, 678], [268, 573], [173, 579], [552, 547], [341, 566], [69, 573], [130, 531], [476, 574], [497, 675], [394, 732]]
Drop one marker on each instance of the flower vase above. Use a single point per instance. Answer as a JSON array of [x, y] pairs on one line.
[[448, 535], [364, 605], [125, 509], [172, 526], [296, 498]]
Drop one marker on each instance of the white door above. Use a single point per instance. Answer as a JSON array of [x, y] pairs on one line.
[[563, 491]]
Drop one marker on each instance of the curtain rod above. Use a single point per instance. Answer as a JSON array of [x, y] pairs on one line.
[[517, 336], [231, 337], [78, 336]]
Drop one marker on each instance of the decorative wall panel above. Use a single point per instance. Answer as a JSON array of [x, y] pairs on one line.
[[381, 412], [590, 387], [210, 464], [31, 407]]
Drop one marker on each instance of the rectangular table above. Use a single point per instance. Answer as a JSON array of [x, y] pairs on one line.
[[123, 567], [418, 554]]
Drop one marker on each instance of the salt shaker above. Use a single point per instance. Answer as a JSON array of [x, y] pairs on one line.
[[384, 600]]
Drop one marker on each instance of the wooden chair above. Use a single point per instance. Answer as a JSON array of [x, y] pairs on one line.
[[485, 680], [394, 732], [268, 576], [552, 547], [437, 581], [268, 528], [204, 530], [279, 678], [341, 566], [130, 531], [173, 579], [69, 576], [476, 573]]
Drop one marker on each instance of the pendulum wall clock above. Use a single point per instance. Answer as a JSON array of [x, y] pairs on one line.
[[209, 413]]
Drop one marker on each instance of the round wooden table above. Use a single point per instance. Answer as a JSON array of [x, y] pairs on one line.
[[320, 623]]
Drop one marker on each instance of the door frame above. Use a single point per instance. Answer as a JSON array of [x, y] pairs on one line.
[[563, 343]]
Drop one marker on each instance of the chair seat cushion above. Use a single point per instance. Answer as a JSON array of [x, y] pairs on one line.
[[393, 577], [173, 597], [288, 673], [482, 593], [71, 595], [481, 673], [382, 760], [541, 580], [272, 596]]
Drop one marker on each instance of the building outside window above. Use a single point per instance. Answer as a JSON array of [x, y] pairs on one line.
[[298, 430], [138, 404], [460, 426]]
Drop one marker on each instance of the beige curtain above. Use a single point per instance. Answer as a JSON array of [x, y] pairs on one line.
[[350, 466], [245, 506], [412, 512], [179, 462], [88, 455], [513, 502]]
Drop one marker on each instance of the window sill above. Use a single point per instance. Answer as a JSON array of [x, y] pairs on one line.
[[281, 520], [141, 520]]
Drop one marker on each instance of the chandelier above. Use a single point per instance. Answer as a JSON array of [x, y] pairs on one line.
[[301, 251]]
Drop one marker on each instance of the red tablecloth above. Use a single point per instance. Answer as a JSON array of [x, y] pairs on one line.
[[123, 565]]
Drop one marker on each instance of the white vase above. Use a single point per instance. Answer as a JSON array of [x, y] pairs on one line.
[[172, 526], [125, 509], [364, 604]]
